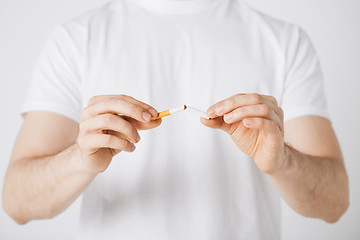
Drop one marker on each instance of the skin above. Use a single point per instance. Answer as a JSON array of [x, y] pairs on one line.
[[303, 158], [55, 159]]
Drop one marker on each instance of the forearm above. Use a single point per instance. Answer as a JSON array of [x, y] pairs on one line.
[[313, 186], [44, 187]]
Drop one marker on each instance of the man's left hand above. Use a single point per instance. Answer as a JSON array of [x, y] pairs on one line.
[[256, 125]]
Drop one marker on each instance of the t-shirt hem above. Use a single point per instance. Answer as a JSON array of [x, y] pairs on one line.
[[50, 107]]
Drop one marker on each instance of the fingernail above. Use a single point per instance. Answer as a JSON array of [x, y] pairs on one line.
[[138, 138], [219, 110], [146, 116], [153, 112], [228, 117]]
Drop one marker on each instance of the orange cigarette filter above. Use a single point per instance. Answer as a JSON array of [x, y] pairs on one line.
[[163, 114]]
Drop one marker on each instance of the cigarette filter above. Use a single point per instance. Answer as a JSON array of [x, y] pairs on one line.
[[170, 112], [196, 111]]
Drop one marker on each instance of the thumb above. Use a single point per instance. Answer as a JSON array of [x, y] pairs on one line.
[[217, 123], [144, 126]]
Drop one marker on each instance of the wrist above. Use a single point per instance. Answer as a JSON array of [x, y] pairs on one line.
[[284, 161], [80, 163]]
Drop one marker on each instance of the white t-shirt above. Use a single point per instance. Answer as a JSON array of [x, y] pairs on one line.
[[184, 181]]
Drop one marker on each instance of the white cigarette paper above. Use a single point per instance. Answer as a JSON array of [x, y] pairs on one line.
[[196, 111]]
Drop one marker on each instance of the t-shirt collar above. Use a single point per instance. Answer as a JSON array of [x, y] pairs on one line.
[[177, 6]]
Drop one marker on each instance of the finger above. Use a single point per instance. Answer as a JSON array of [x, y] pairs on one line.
[[273, 103], [271, 99], [117, 106], [93, 142], [260, 110], [111, 122], [144, 126], [266, 125], [229, 104], [149, 108], [278, 111], [99, 98], [117, 134], [217, 123]]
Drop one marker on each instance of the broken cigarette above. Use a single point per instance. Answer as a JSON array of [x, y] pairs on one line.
[[170, 112], [196, 111], [180, 109]]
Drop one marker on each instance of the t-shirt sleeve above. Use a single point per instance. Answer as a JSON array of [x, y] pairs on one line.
[[303, 92], [56, 79]]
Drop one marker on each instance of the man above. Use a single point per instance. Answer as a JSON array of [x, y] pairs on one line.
[[96, 85]]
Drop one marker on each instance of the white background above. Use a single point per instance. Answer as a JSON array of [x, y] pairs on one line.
[[333, 25]]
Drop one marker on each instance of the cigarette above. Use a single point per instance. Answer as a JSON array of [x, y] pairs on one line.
[[196, 111], [170, 112]]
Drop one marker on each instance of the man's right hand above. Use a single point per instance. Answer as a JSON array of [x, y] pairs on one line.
[[55, 158], [109, 125]]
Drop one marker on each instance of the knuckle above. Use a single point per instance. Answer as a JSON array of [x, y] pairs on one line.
[[107, 119], [130, 97], [86, 112], [91, 112], [238, 95], [123, 96], [134, 133], [273, 99], [134, 108], [256, 98], [265, 109], [131, 147], [124, 144], [281, 113], [231, 101], [130, 133], [110, 101], [84, 128], [93, 99]]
